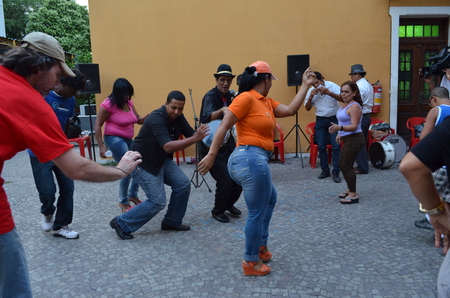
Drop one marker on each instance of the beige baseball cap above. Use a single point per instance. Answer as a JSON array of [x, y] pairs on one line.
[[47, 45]]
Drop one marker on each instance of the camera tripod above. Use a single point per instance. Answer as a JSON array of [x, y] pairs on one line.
[[195, 179]]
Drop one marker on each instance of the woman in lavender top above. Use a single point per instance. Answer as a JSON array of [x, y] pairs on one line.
[[349, 131]]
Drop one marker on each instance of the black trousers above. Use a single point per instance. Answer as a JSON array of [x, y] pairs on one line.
[[227, 191], [352, 145], [361, 158]]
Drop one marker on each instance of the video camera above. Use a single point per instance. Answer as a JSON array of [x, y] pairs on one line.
[[437, 63]]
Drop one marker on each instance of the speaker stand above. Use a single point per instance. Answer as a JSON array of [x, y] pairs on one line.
[[90, 125], [298, 129], [195, 180]]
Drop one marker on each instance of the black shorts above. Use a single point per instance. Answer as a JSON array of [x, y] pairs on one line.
[[434, 149]]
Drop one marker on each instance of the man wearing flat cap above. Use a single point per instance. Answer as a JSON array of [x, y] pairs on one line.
[[214, 106], [28, 73], [357, 74]]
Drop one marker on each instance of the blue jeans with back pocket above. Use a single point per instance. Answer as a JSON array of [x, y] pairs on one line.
[[119, 146], [249, 167]]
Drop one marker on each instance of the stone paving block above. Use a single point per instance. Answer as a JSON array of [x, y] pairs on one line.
[[321, 248]]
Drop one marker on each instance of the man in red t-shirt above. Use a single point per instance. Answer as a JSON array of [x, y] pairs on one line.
[[28, 73]]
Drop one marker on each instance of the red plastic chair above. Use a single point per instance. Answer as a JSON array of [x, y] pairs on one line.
[[410, 125], [177, 154], [314, 149], [370, 138], [279, 145], [82, 141]]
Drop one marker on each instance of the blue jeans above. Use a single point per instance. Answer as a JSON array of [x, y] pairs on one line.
[[119, 146], [249, 167], [45, 184], [322, 137], [14, 279], [153, 187], [443, 283]]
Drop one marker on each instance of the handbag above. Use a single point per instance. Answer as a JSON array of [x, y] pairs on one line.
[[380, 129], [383, 126], [418, 129], [73, 127]]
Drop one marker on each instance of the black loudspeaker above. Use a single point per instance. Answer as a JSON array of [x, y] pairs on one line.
[[296, 66], [92, 73]]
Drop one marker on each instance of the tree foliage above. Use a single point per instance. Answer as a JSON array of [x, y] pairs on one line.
[[68, 22], [16, 15]]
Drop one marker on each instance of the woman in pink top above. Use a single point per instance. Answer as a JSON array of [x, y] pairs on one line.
[[119, 115]]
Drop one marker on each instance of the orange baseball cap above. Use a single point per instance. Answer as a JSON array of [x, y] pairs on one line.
[[263, 67]]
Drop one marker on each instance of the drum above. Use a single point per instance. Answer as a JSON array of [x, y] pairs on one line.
[[213, 125], [382, 154], [399, 145]]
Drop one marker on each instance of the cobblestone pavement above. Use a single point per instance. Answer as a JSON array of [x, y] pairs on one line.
[[320, 247]]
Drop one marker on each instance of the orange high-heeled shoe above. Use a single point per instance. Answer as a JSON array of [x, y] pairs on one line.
[[264, 254], [249, 268]]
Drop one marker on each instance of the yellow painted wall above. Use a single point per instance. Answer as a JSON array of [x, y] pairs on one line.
[[419, 3], [164, 45]]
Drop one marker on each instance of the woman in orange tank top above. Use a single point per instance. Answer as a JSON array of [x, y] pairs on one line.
[[254, 115]]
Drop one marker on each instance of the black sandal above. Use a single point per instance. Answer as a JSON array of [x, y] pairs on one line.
[[343, 195], [350, 200]]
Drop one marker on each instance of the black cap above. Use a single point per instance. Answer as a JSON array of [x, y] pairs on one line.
[[224, 70]]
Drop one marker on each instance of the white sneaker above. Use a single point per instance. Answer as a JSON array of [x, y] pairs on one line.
[[66, 232], [47, 223]]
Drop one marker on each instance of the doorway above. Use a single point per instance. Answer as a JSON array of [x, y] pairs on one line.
[[419, 39]]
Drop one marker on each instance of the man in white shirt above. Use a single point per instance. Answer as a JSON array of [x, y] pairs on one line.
[[324, 95], [357, 74]]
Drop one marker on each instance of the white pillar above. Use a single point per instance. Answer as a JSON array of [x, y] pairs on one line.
[[2, 20]]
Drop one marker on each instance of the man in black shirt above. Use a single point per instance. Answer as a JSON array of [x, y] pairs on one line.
[[157, 140], [214, 106], [430, 154]]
